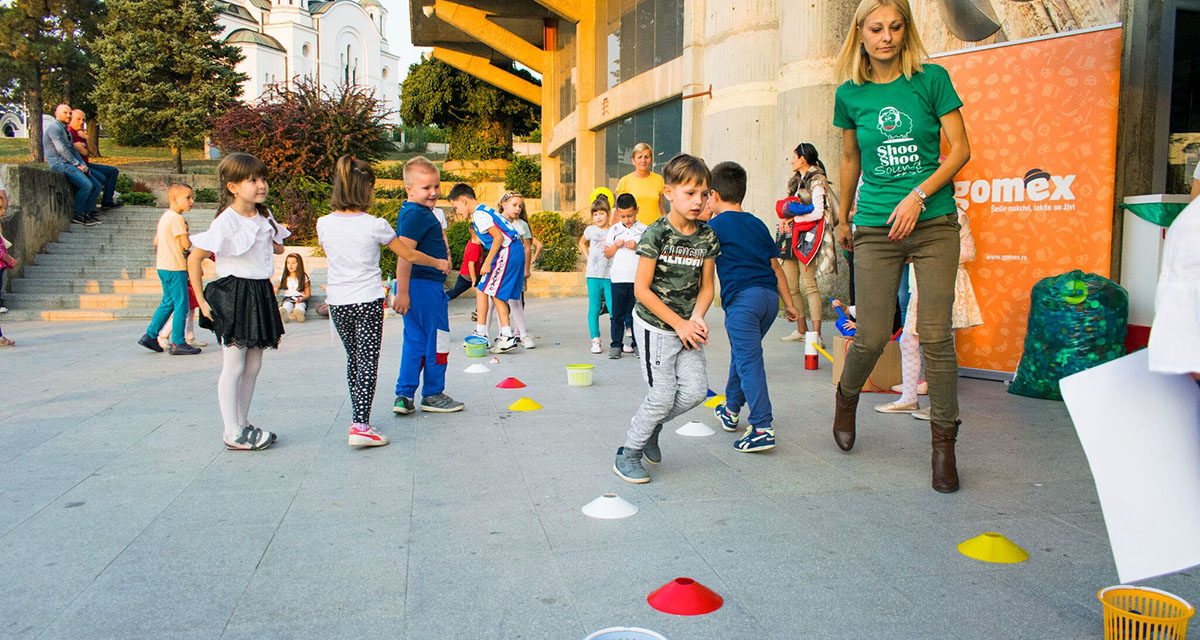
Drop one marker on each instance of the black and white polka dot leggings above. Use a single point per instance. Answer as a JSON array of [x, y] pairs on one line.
[[360, 327]]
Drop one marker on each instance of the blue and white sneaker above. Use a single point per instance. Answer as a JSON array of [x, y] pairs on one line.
[[729, 421], [756, 440]]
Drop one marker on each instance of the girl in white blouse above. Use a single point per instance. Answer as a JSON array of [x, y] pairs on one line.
[[239, 306]]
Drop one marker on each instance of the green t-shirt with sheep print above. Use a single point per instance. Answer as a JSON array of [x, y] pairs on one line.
[[899, 130]]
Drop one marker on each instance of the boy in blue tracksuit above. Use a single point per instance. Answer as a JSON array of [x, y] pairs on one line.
[[752, 284], [421, 294]]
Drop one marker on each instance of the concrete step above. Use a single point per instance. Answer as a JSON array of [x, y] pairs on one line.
[[113, 261], [112, 247], [96, 301], [61, 271], [63, 286]]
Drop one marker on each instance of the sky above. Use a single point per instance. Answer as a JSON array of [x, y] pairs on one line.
[[399, 36]]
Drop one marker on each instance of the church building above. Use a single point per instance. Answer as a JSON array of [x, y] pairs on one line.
[[335, 42]]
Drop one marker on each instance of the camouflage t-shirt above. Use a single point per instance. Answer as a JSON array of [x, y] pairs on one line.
[[679, 264]]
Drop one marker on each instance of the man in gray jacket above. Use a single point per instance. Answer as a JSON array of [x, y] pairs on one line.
[[62, 157]]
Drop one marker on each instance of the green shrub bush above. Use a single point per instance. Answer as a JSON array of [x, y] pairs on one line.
[[524, 175], [399, 193], [138, 199], [387, 209], [560, 240], [389, 170], [206, 195], [124, 183], [458, 234]]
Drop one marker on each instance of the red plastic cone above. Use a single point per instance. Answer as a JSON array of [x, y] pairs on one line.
[[685, 597], [510, 383]]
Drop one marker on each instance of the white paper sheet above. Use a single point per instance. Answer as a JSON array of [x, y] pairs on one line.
[[1141, 433]]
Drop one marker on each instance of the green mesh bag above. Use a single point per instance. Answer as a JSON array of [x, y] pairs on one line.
[[1076, 321]]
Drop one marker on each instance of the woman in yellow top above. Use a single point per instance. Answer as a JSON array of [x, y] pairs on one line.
[[645, 185]]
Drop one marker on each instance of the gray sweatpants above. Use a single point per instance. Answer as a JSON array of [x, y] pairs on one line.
[[677, 378]]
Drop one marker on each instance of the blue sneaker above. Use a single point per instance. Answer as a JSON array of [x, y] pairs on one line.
[[756, 440], [729, 421]]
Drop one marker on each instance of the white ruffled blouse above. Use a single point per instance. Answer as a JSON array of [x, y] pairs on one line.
[[242, 245], [1175, 335]]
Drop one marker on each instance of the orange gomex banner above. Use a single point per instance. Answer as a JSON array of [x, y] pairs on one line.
[[1041, 116]]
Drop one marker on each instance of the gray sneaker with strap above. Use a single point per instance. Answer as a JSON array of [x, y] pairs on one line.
[[628, 465], [440, 403]]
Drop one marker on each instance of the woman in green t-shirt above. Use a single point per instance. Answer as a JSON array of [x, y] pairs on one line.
[[893, 110]]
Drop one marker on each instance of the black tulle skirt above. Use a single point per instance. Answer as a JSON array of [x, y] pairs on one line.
[[244, 313]]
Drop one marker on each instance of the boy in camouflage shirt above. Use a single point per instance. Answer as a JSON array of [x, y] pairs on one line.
[[674, 288]]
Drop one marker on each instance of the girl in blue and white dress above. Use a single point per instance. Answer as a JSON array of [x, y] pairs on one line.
[[503, 268], [239, 307]]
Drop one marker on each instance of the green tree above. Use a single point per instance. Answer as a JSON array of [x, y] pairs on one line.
[[162, 73], [40, 38], [482, 119]]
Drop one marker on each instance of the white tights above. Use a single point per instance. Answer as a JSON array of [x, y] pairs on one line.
[[189, 327], [516, 314], [235, 387], [910, 366]]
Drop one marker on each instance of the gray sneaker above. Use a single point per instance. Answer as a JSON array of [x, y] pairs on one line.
[[651, 451], [441, 403], [614, 353], [504, 344], [629, 466]]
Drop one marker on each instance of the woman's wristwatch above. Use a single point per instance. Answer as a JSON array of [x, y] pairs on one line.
[[916, 191]]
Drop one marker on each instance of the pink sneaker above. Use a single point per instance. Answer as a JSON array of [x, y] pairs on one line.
[[364, 435]]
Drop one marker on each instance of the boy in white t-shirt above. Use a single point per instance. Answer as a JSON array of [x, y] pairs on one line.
[[621, 247]]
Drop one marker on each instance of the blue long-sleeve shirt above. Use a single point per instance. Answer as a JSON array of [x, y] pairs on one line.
[[57, 145]]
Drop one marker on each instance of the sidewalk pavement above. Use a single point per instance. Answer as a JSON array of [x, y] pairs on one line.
[[121, 515]]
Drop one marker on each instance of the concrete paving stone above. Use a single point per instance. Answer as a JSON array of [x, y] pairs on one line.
[[302, 593], [130, 603], [859, 545], [341, 627], [348, 541], [199, 506], [987, 605], [167, 546], [504, 594]]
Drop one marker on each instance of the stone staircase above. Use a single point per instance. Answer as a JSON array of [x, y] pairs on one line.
[[106, 272]]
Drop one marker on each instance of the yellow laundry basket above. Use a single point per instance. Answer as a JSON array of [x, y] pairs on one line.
[[580, 375], [1142, 613]]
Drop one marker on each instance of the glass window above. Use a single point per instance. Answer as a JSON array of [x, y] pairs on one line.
[[564, 69], [660, 126], [564, 197], [641, 35]]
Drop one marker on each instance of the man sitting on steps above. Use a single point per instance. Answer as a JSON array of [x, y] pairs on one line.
[[105, 174], [62, 157]]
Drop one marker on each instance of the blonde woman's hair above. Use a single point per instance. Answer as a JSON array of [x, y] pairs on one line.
[[641, 146], [853, 63], [353, 185]]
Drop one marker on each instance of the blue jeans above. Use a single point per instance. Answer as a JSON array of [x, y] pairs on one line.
[[88, 187], [107, 176], [597, 287], [426, 340], [621, 313], [747, 318], [174, 303], [903, 295]]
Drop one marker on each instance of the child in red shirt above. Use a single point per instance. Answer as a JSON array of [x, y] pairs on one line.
[[468, 273]]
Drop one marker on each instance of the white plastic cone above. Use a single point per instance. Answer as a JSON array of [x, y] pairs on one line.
[[695, 428], [476, 368], [610, 506]]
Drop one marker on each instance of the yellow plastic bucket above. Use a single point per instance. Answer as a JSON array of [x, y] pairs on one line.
[[580, 375], [1142, 613], [476, 346]]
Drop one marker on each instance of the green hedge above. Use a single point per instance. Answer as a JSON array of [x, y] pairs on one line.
[[560, 240], [524, 175]]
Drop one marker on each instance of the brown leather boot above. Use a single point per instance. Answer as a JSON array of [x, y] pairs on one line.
[[945, 471], [844, 414]]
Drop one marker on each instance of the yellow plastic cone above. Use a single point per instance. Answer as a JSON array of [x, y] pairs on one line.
[[524, 404], [712, 402], [993, 547]]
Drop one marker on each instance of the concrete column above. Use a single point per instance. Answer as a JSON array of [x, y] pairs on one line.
[[589, 166]]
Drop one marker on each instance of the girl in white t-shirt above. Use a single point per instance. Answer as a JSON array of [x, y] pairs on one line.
[[295, 288], [599, 287], [239, 306], [351, 239]]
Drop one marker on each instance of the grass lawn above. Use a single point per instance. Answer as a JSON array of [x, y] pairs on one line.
[[15, 150]]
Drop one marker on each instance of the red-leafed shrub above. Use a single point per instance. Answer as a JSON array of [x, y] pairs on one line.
[[299, 133]]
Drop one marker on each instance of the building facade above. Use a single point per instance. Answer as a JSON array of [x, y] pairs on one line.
[[340, 42], [748, 80]]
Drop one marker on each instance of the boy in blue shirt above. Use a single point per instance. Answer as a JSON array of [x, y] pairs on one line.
[[752, 284], [421, 294]]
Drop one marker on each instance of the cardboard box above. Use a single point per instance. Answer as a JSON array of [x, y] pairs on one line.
[[884, 376]]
